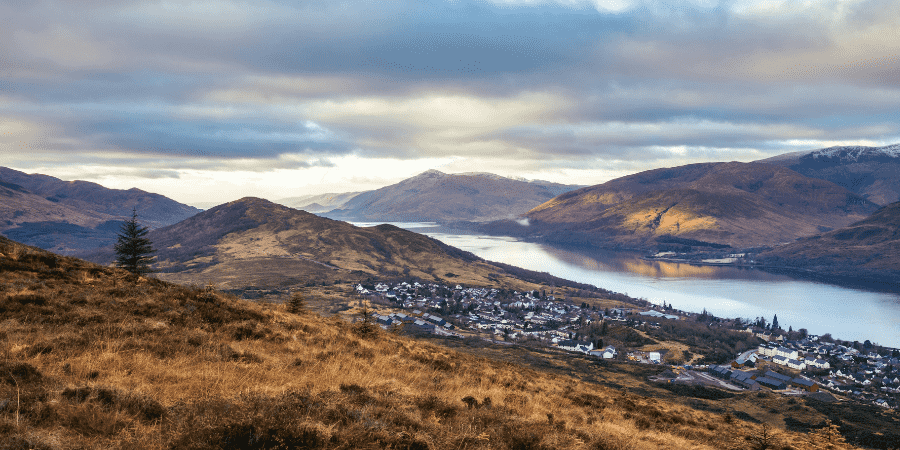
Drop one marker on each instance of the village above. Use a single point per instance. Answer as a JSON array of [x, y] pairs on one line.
[[785, 363]]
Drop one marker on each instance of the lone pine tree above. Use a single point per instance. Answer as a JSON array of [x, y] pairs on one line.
[[133, 249]]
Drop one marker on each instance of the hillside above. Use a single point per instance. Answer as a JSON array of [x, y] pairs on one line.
[[714, 204], [871, 172], [95, 359], [869, 248], [435, 196], [75, 216], [252, 242]]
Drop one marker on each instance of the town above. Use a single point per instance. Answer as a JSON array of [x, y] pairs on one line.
[[791, 363]]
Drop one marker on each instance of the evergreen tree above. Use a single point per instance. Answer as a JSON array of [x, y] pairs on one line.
[[775, 322], [297, 304], [133, 249]]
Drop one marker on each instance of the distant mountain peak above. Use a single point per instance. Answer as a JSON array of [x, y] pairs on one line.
[[489, 175], [430, 173], [854, 153]]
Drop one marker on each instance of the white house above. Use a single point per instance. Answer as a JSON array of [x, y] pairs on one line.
[[575, 346], [818, 363], [794, 364], [787, 353]]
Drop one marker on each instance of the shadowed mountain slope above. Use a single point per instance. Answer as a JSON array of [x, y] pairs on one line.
[[154, 210], [869, 248], [435, 196], [75, 216], [872, 172], [735, 204]]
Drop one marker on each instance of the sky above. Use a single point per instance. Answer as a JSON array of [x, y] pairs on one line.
[[209, 101]]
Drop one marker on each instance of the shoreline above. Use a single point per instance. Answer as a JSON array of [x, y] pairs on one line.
[[882, 284]]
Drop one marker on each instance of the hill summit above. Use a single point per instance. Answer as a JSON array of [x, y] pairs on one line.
[[253, 242]]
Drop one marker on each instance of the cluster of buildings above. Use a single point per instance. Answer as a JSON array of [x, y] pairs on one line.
[[755, 380], [864, 375], [511, 314]]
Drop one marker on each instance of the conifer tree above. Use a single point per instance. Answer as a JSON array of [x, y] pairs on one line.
[[133, 249], [297, 304], [775, 323]]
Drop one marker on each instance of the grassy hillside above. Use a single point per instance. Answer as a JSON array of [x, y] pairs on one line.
[[869, 248], [93, 358], [736, 204]]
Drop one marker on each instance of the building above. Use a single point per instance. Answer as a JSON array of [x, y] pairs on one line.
[[744, 379], [771, 383], [787, 352], [807, 385], [576, 346]]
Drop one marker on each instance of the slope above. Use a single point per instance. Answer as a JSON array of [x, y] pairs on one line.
[[95, 359], [252, 242], [869, 249], [155, 210], [31, 218], [75, 216], [872, 172], [732, 204], [434, 196]]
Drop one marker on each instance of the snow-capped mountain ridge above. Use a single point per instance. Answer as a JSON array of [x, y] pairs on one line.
[[854, 153]]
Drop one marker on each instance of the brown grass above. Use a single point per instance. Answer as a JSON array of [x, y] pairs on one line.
[[92, 358]]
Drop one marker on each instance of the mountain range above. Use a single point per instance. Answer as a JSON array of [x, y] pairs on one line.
[[732, 204], [434, 196], [872, 172], [72, 216]]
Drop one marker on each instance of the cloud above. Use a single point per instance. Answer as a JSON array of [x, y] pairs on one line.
[[580, 88]]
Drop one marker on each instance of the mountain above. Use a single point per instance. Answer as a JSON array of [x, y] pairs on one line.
[[872, 172], [435, 196], [319, 203], [254, 242], [699, 205], [154, 210], [75, 216], [868, 249]]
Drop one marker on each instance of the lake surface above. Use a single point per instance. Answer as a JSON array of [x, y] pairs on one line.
[[846, 313]]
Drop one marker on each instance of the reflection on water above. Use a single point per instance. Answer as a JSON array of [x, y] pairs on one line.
[[405, 225], [850, 314]]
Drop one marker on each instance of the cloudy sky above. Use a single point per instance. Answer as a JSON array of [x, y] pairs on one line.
[[209, 101]]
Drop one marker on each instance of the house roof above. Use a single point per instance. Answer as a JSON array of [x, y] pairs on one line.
[[777, 376]]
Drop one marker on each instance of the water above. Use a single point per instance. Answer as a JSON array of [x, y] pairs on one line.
[[846, 313]]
